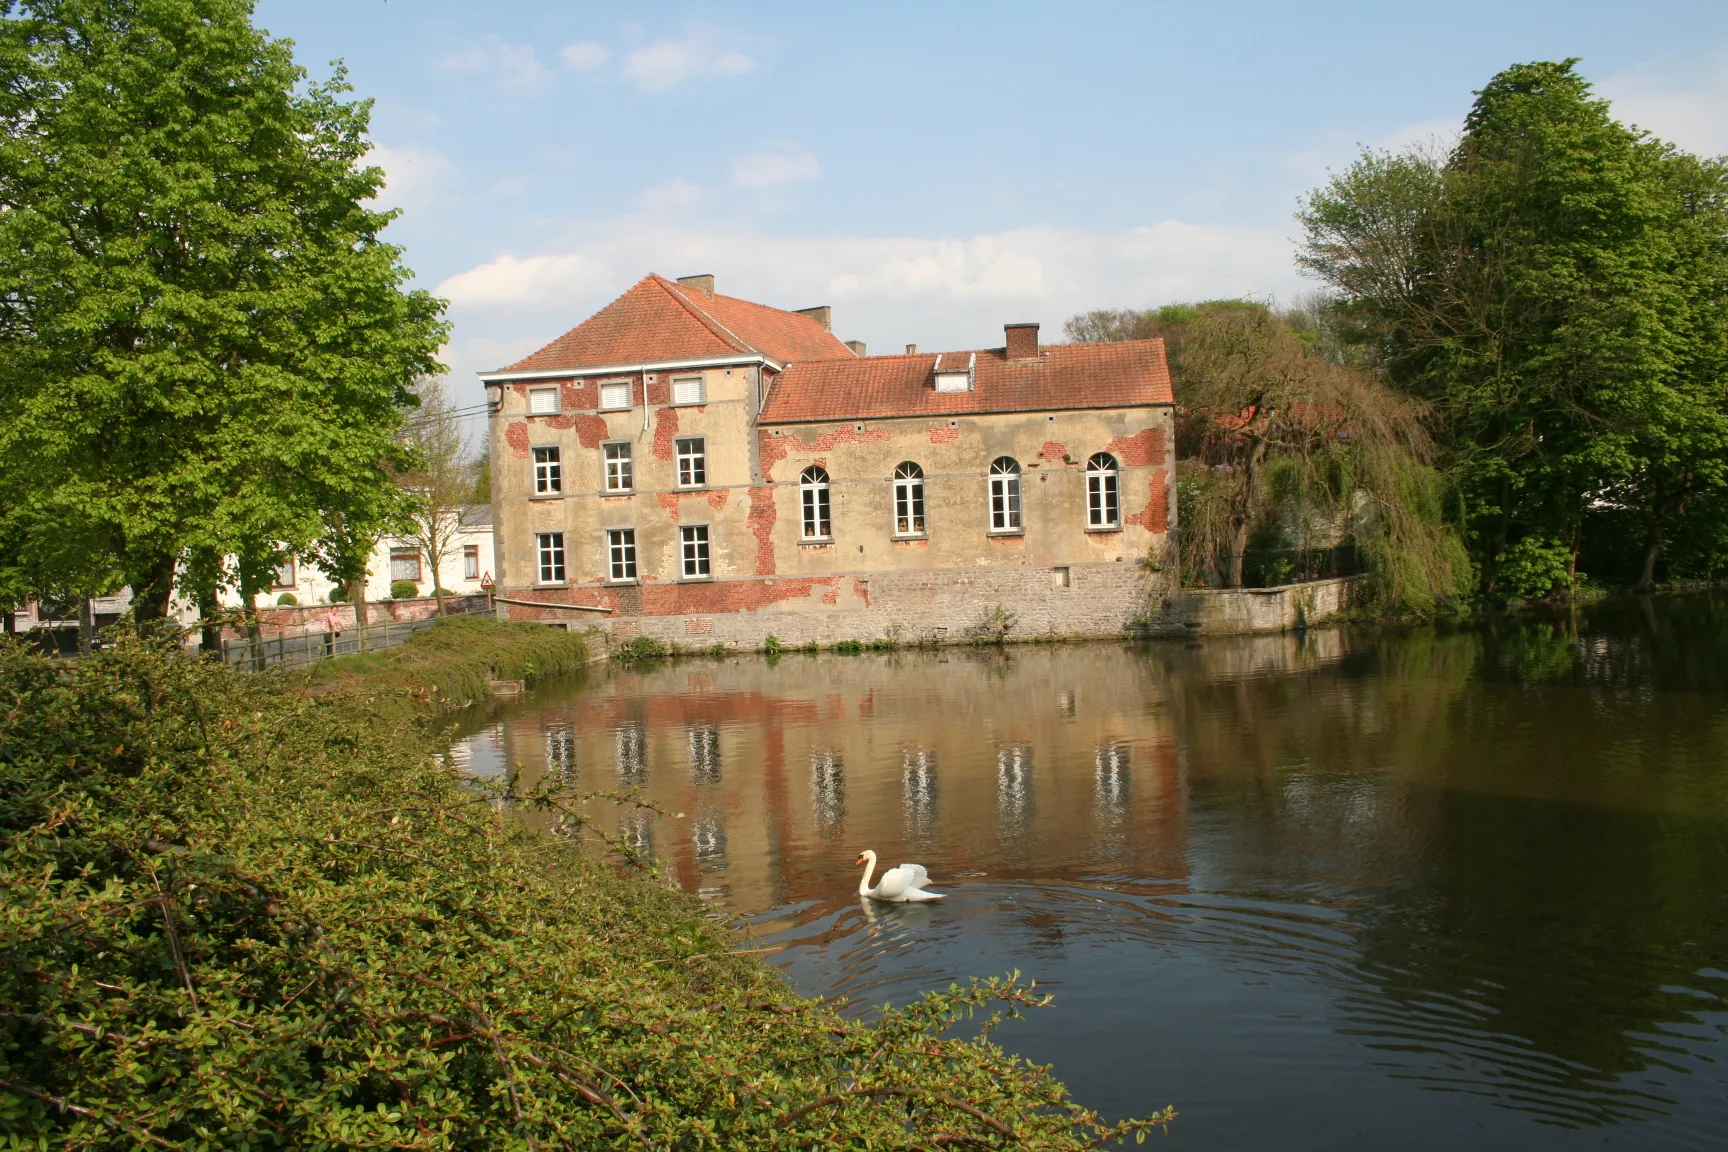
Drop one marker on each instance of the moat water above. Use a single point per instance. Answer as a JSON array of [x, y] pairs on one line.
[[1438, 888]]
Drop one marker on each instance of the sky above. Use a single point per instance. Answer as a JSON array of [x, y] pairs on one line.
[[930, 170]]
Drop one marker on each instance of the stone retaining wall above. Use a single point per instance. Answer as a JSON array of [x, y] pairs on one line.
[[1234, 611]]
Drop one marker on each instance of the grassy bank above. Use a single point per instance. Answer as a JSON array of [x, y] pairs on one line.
[[239, 914], [450, 665]]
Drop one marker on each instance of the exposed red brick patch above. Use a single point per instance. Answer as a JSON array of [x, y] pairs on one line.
[[517, 436], [728, 596], [717, 500], [861, 590], [581, 394], [771, 449], [1143, 449], [669, 501], [1155, 517], [1007, 541], [699, 626], [590, 430], [660, 392], [761, 519], [1052, 452], [831, 597], [588, 597], [665, 430], [942, 434]]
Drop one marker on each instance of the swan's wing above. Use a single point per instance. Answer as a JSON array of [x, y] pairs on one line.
[[893, 884], [916, 875]]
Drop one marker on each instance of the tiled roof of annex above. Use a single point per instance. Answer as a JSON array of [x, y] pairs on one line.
[[1062, 376], [658, 319]]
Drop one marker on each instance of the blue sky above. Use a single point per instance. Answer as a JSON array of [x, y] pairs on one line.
[[929, 170]]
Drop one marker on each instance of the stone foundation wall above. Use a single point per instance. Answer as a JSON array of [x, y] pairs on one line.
[[941, 606], [1233, 611]]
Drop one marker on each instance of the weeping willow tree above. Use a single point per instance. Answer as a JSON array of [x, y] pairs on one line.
[[1275, 440]]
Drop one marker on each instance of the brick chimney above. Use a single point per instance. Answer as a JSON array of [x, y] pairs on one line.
[[703, 283], [911, 349], [1022, 341], [857, 347], [823, 315]]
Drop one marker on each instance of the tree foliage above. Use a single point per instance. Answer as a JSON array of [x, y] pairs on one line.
[[1557, 287], [1273, 436], [240, 916], [205, 346]]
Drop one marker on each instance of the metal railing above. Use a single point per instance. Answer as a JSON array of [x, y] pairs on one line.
[[303, 648]]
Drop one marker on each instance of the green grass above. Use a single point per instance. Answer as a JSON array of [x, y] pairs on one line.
[[451, 663]]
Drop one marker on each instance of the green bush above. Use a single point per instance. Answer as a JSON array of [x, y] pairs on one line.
[[288, 600], [239, 915], [404, 590], [848, 647], [772, 646], [1532, 568], [338, 595], [642, 648]]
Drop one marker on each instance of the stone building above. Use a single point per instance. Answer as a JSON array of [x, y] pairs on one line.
[[702, 469]]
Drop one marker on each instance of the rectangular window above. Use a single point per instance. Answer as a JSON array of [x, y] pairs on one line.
[[818, 524], [548, 471], [692, 462], [615, 394], [694, 538], [551, 545], [285, 573], [471, 562], [909, 505], [621, 553], [542, 401], [688, 390], [620, 476], [405, 565]]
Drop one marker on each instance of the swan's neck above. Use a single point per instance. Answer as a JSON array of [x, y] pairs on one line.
[[869, 868]]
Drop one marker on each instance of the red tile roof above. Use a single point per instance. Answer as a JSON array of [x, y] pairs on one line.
[[1118, 375], [658, 319]]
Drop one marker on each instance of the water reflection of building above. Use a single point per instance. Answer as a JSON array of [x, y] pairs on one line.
[[970, 762]]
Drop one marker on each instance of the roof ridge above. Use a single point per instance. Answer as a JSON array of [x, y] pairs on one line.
[[701, 314]]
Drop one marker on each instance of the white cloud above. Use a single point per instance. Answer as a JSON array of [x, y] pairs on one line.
[[584, 55], [1693, 115], [412, 176], [780, 163], [665, 64], [942, 292], [669, 197], [511, 66]]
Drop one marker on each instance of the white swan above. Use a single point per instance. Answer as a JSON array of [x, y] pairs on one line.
[[901, 885]]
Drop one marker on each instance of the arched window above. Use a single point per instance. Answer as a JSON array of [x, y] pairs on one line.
[[908, 500], [818, 522], [1004, 495], [1103, 507]]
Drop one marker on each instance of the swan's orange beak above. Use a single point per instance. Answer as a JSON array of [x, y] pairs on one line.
[[858, 863]]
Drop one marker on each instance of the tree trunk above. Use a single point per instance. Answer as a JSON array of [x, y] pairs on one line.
[[11, 622], [209, 627], [1652, 550], [86, 627], [153, 589]]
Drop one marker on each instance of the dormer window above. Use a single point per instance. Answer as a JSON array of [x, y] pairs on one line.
[[954, 376]]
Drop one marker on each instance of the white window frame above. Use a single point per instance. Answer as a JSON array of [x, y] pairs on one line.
[[692, 454], [552, 397], [548, 470], [612, 386], [1006, 513], [470, 561], [816, 505], [397, 554], [693, 553], [293, 572], [618, 467], [1103, 492], [682, 396], [621, 555], [909, 518], [549, 554]]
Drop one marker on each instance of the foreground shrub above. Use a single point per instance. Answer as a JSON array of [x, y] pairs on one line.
[[404, 590], [240, 916]]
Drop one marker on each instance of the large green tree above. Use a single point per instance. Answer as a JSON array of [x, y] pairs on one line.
[[1555, 287], [205, 346]]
